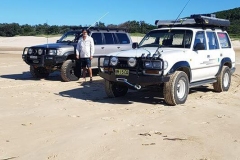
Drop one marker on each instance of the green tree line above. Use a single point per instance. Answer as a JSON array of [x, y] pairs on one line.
[[234, 16], [13, 29]]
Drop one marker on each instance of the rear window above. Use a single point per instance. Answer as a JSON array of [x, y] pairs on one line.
[[97, 38], [224, 40], [109, 38], [123, 38]]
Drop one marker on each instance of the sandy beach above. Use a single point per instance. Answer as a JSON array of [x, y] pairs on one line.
[[49, 119]]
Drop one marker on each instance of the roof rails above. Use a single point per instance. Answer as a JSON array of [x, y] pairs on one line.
[[196, 20], [99, 28]]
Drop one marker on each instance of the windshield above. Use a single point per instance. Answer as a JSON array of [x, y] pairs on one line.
[[70, 37], [175, 38]]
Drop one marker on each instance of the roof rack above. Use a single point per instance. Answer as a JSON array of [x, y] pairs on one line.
[[99, 28], [196, 20]]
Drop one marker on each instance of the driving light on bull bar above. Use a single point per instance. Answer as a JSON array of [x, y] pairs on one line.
[[132, 62], [105, 61], [30, 51], [114, 61], [40, 51]]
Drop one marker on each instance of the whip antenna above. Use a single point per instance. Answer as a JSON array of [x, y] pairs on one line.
[[47, 33], [97, 20], [181, 12]]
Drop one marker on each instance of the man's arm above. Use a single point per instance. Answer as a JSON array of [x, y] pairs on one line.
[[77, 51], [92, 48]]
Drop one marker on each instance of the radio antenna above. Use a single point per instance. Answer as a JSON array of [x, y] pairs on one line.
[[97, 20], [47, 33], [181, 12]]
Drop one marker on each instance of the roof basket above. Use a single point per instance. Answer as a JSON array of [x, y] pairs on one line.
[[197, 20]]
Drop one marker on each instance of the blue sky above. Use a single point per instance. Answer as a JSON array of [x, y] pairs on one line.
[[86, 12]]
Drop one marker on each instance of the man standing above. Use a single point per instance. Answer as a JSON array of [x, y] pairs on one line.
[[85, 50]]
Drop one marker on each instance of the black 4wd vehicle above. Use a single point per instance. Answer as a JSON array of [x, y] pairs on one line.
[[47, 58]]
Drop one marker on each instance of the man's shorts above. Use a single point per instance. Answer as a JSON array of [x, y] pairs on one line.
[[86, 62]]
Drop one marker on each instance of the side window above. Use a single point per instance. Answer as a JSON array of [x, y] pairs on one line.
[[97, 38], [200, 38], [123, 38], [109, 38], [212, 40], [224, 40]]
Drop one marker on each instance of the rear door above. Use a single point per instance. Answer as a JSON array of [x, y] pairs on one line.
[[214, 53], [110, 42], [124, 41], [99, 47]]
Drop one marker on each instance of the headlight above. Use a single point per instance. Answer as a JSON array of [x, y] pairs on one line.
[[165, 64], [148, 64], [52, 52], [114, 61], [30, 51], [132, 62], [40, 51], [59, 51], [157, 64], [106, 62], [153, 64]]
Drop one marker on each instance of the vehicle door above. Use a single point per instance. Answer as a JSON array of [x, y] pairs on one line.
[[200, 58], [124, 42], [110, 43], [226, 48], [99, 47], [214, 53]]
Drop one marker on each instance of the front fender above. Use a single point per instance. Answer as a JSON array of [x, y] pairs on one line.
[[182, 66]]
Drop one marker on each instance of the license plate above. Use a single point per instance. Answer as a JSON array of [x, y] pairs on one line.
[[33, 57], [122, 72]]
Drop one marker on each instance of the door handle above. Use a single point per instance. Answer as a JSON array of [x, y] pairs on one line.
[[118, 47], [102, 47], [208, 56], [221, 55]]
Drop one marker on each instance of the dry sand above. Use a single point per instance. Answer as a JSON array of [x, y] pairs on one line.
[[50, 119]]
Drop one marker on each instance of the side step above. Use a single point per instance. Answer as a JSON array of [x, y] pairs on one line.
[[200, 83]]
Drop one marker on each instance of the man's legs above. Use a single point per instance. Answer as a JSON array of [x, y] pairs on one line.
[[89, 68]]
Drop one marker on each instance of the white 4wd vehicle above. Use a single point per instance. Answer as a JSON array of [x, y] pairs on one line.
[[179, 54]]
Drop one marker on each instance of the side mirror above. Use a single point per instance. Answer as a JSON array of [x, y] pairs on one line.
[[199, 46], [135, 45], [58, 41]]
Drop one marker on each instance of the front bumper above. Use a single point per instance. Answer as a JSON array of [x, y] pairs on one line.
[[42, 60], [136, 76], [143, 80]]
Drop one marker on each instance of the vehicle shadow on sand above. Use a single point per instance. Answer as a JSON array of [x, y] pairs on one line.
[[28, 76], [95, 92]]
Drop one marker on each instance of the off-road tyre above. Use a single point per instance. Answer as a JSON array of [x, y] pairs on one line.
[[223, 80], [115, 89], [176, 90], [67, 71], [38, 72]]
